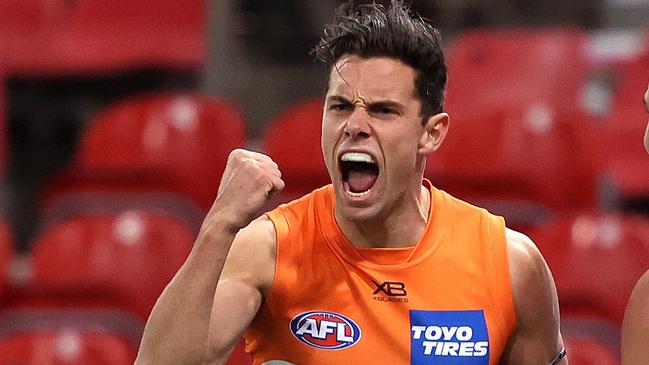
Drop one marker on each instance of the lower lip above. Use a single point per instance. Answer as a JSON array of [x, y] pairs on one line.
[[359, 197]]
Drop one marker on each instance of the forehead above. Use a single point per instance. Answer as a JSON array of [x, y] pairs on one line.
[[375, 77]]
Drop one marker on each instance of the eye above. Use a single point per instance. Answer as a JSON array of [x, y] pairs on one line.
[[381, 109], [340, 106]]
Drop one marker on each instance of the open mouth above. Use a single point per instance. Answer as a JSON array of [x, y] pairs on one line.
[[359, 172]]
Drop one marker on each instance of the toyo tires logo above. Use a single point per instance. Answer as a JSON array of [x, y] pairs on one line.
[[325, 330]]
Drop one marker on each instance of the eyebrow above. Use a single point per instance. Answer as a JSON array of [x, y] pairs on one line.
[[340, 99], [375, 104], [386, 104]]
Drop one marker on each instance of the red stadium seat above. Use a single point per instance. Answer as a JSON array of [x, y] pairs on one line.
[[158, 143], [70, 205], [4, 140], [512, 99], [293, 141], [120, 261], [596, 259], [87, 36], [590, 340], [616, 142], [65, 347], [589, 352], [6, 254], [68, 337]]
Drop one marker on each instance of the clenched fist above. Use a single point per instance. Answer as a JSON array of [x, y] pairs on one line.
[[248, 180]]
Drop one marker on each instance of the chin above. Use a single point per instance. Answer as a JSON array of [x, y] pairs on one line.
[[357, 211], [357, 215]]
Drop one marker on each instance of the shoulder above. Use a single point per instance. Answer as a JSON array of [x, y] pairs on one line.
[[532, 283], [252, 256], [537, 338], [523, 253], [642, 287], [635, 328], [641, 292]]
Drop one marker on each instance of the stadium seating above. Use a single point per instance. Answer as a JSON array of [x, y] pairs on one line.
[[589, 352], [596, 259], [293, 141], [616, 141], [171, 144], [4, 131], [512, 97], [66, 347], [72, 204], [6, 254], [86, 36], [62, 337], [590, 340], [119, 261]]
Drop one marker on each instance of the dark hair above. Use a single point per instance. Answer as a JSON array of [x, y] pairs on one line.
[[373, 30]]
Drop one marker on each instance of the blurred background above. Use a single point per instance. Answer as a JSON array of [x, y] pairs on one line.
[[117, 118]]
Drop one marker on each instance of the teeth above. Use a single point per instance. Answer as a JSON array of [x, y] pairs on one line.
[[357, 157], [359, 194]]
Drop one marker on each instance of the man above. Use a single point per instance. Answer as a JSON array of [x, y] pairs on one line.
[[635, 328], [379, 267]]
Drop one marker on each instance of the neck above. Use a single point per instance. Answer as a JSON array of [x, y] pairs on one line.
[[401, 227]]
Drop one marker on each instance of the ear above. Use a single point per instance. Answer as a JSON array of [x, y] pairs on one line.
[[434, 133]]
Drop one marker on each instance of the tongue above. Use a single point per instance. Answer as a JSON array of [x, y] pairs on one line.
[[360, 181]]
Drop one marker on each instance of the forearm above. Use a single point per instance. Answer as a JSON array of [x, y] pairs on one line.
[[177, 330]]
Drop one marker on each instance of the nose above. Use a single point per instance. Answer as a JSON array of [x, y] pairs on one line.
[[357, 125]]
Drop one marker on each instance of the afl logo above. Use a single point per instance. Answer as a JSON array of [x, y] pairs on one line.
[[325, 330]]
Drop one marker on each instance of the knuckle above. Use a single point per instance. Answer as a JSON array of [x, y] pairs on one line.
[[234, 153], [250, 165], [237, 154]]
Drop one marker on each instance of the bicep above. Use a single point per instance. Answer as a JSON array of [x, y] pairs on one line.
[[235, 305], [537, 337], [248, 272]]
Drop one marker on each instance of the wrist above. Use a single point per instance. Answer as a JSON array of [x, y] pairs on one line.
[[220, 222]]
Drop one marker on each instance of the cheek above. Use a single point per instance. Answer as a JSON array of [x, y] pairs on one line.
[[326, 141], [331, 132], [401, 153], [327, 144]]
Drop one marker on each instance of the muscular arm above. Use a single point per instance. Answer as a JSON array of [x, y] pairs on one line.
[[537, 338], [635, 328], [247, 277], [177, 330]]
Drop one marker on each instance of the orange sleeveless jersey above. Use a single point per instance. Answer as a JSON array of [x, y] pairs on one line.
[[448, 300]]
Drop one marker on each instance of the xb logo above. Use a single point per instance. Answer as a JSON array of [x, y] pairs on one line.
[[391, 288]]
